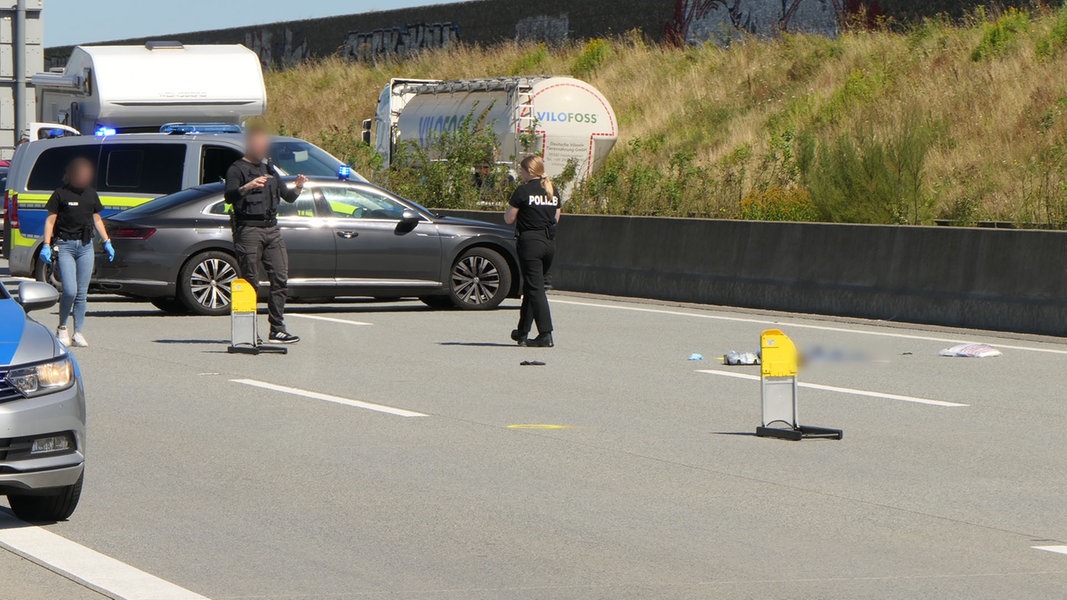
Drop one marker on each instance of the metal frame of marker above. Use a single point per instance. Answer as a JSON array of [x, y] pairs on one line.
[[244, 334], [778, 383]]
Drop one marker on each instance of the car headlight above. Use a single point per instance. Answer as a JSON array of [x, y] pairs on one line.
[[45, 378]]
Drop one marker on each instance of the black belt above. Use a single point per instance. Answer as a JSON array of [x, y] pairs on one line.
[[256, 222], [546, 232]]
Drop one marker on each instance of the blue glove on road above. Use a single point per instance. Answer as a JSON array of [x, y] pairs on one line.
[[110, 251], [46, 254]]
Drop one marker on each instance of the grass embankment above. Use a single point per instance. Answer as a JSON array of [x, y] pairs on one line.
[[964, 122]]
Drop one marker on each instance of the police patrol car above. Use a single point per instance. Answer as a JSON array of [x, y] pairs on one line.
[[42, 411], [132, 169]]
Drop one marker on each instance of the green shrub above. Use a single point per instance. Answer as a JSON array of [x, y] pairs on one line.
[[1001, 35], [531, 62], [779, 204], [871, 179], [595, 53], [1055, 40]]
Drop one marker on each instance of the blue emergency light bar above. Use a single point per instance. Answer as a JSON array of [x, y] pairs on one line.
[[105, 131], [344, 172], [193, 128]]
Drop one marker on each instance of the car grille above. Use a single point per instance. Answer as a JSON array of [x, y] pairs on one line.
[[7, 391]]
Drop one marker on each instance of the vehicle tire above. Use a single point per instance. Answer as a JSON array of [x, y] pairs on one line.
[[171, 306], [480, 280], [204, 283], [438, 302], [57, 506], [47, 273]]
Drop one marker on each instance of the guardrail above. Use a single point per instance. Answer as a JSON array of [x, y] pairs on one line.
[[977, 278]]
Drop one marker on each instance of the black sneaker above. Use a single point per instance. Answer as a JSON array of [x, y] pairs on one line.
[[519, 337], [283, 337], [542, 341]]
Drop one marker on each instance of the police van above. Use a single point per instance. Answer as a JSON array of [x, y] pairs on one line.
[[131, 170]]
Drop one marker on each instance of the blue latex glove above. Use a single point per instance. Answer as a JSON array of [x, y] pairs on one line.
[[110, 251], [46, 254]]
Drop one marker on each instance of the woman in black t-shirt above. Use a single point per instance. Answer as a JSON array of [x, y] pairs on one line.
[[535, 210], [73, 214]]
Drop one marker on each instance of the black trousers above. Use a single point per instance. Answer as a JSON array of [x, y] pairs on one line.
[[257, 246], [536, 252]]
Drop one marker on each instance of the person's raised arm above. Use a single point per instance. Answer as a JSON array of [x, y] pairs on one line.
[[290, 194]]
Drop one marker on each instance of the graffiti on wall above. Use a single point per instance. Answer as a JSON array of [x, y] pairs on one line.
[[278, 48], [393, 42], [546, 29], [699, 21]]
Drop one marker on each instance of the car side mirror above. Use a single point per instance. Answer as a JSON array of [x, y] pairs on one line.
[[34, 295], [410, 217]]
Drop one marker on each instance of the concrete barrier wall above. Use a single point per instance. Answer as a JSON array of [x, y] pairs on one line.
[[987, 279]]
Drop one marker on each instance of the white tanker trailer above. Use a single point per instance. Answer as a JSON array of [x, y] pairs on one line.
[[563, 119]]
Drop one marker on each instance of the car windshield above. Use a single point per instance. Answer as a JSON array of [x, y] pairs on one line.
[[165, 203], [296, 157]]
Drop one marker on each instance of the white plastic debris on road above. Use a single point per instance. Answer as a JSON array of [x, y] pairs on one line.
[[971, 351], [734, 358]]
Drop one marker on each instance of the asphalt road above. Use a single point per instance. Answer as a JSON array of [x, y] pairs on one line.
[[308, 476]]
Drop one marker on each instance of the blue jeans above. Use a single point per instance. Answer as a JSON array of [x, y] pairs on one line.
[[76, 261]]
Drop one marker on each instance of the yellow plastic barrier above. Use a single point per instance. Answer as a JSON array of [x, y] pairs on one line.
[[780, 365], [242, 297], [779, 354]]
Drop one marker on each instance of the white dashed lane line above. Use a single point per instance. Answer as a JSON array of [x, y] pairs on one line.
[[841, 390], [327, 319], [1056, 549], [389, 410], [785, 323], [96, 571]]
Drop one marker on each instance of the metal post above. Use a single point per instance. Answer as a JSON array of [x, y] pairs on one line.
[[20, 69]]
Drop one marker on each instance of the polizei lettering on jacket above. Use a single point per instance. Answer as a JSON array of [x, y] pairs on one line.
[[542, 200]]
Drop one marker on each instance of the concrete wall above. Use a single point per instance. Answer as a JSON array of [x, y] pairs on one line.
[[727, 20], [478, 22], [978, 278]]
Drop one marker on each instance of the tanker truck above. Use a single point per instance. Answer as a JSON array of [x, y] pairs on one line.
[[561, 118]]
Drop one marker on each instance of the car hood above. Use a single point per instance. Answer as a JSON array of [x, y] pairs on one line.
[[23, 340], [498, 229]]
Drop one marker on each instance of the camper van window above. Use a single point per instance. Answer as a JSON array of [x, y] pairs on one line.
[[214, 162], [47, 173], [143, 168]]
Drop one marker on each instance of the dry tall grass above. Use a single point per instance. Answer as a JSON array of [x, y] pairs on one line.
[[721, 131]]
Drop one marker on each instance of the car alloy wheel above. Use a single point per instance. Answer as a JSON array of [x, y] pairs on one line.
[[480, 280], [210, 283], [476, 279], [204, 283]]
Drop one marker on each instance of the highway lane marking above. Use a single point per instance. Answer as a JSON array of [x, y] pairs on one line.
[[1056, 549], [327, 319], [389, 410], [841, 390], [85, 566], [904, 336]]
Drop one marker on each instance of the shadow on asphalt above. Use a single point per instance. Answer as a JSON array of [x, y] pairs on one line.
[[194, 342], [481, 344]]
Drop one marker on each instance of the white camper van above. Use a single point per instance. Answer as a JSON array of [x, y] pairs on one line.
[[564, 118], [136, 89]]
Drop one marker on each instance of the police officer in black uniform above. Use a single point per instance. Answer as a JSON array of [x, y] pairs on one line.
[[254, 190], [535, 210]]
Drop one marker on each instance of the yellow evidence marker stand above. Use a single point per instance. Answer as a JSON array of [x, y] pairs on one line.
[[243, 333], [778, 382]]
